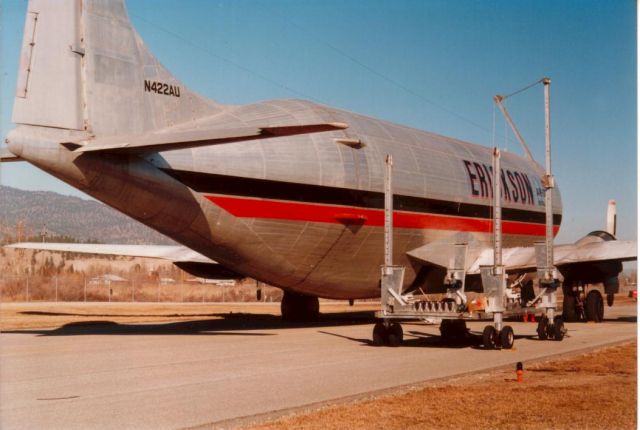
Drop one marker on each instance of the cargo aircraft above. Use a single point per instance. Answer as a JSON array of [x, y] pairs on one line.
[[288, 192]]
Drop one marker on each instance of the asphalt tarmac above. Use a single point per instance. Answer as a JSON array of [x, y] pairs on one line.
[[185, 374]]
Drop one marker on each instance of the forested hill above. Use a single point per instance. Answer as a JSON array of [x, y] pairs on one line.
[[75, 218]]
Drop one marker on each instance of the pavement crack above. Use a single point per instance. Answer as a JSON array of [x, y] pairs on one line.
[[58, 398]]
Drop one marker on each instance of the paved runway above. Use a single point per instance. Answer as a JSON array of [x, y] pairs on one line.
[[185, 374]]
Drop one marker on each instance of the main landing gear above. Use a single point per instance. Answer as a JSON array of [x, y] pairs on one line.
[[297, 307], [594, 306], [578, 305]]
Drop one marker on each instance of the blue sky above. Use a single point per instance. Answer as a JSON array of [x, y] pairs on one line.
[[433, 65]]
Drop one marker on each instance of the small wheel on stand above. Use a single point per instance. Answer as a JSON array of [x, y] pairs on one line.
[[558, 328], [460, 329], [506, 337], [380, 334], [453, 331], [394, 335], [489, 337], [542, 328], [550, 330]]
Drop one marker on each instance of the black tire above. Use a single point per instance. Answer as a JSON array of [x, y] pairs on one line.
[[558, 329], [288, 308], [380, 334], [489, 337], [453, 330], [550, 330], [394, 335], [594, 307], [311, 308], [459, 329], [445, 330], [569, 312], [506, 337], [542, 328], [299, 307]]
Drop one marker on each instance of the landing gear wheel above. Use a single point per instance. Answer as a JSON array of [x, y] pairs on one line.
[[542, 328], [489, 337], [299, 307], [594, 308], [380, 334], [569, 312], [506, 337], [394, 335], [558, 329], [312, 308]]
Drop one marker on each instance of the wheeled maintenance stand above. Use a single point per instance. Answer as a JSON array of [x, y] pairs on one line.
[[494, 278], [550, 326], [453, 310]]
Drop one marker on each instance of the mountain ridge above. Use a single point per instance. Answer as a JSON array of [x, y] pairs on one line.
[[78, 219]]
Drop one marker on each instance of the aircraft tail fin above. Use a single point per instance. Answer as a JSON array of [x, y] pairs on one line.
[[84, 67], [611, 217]]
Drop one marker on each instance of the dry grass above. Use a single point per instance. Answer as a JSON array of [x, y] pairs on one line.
[[15, 316], [591, 391]]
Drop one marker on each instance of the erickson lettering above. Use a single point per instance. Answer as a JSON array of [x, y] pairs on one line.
[[516, 186]]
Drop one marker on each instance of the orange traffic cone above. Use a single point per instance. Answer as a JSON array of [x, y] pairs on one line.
[[519, 371]]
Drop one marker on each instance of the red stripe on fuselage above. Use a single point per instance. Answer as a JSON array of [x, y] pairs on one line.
[[269, 209]]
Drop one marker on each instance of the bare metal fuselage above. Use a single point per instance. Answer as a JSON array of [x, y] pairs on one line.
[[305, 212]]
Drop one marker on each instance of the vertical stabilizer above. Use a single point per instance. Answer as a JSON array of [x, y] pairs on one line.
[[48, 90], [84, 67]]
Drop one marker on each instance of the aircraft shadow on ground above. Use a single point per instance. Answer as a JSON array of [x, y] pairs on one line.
[[233, 324], [420, 339], [625, 319], [79, 314]]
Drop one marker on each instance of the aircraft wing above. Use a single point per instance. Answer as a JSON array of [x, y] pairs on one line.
[[186, 259], [180, 139], [173, 253], [522, 259]]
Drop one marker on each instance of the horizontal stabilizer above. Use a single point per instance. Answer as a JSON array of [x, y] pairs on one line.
[[181, 139], [6, 156]]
